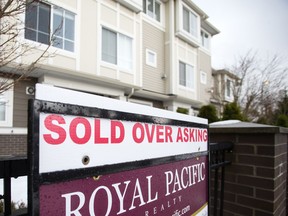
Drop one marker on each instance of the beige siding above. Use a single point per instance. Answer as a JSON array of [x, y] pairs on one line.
[[20, 105], [205, 66], [123, 21], [188, 55], [88, 37], [153, 39]]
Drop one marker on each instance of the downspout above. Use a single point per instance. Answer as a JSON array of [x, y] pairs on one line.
[[171, 47], [131, 93]]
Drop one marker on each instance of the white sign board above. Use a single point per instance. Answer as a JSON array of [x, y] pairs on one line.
[[65, 140]]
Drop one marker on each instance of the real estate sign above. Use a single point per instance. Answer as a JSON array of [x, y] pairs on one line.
[[92, 155]]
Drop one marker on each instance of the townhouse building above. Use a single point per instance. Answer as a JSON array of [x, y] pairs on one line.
[[224, 83], [151, 52]]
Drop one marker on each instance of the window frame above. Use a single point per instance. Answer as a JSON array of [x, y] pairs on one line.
[[203, 44], [153, 15], [36, 29], [228, 89], [65, 14], [52, 34], [8, 96], [154, 62], [190, 84], [203, 77], [190, 26], [117, 64]]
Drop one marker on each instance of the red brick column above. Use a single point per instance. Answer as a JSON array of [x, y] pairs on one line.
[[256, 182]]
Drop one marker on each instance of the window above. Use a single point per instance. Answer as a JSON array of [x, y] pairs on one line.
[[63, 29], [37, 22], [6, 108], [41, 17], [151, 58], [186, 75], [190, 22], [117, 49], [203, 77], [152, 9], [228, 88], [205, 40]]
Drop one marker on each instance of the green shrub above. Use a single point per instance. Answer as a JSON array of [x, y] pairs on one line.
[[282, 120], [232, 112], [182, 110], [209, 112]]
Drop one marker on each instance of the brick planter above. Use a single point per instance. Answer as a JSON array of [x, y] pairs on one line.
[[256, 182]]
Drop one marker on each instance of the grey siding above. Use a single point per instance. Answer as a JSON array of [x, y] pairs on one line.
[[153, 39], [21, 103]]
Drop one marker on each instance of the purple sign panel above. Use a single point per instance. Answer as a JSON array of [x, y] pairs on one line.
[[174, 189]]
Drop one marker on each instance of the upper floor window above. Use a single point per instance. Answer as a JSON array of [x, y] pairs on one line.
[[186, 75], [6, 107], [190, 22], [151, 58], [228, 88], [152, 9], [205, 40], [63, 28], [117, 49], [203, 77], [41, 17]]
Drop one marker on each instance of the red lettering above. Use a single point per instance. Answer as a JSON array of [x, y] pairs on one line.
[[48, 122], [168, 134], [73, 130], [98, 138], [200, 135], [192, 138], [136, 127], [179, 136], [186, 134], [205, 135], [160, 133], [150, 133], [114, 126]]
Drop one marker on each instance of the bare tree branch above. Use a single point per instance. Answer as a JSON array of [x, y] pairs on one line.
[[14, 48], [260, 82]]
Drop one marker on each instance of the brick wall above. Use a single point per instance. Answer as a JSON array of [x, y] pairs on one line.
[[256, 182], [13, 144]]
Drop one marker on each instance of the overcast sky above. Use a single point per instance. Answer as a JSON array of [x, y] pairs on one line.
[[258, 25]]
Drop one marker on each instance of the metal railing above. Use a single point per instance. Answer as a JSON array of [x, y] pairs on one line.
[[11, 167], [218, 162]]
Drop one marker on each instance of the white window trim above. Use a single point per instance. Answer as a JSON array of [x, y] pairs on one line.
[[116, 66], [9, 96], [53, 49], [194, 76], [148, 62], [161, 12], [160, 25], [229, 98], [183, 34], [209, 40], [202, 75], [190, 35]]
